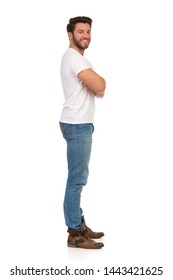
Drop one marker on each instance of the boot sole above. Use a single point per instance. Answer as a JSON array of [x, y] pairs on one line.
[[74, 246]]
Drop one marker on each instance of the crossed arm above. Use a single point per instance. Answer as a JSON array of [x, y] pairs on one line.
[[93, 81]]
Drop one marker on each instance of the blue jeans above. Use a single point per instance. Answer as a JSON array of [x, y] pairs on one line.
[[79, 142]]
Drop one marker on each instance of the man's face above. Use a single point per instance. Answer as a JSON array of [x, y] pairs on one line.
[[82, 35]]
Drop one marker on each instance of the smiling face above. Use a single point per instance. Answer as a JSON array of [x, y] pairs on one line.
[[81, 37]]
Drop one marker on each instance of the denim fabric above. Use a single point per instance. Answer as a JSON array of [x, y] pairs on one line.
[[79, 142]]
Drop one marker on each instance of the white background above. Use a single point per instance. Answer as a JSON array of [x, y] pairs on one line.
[[128, 195]]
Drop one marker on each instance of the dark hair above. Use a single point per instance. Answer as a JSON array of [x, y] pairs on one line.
[[72, 22]]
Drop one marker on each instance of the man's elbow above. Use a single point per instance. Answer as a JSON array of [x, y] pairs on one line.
[[99, 94], [102, 86], [101, 90]]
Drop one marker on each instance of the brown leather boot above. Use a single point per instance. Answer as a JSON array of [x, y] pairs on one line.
[[89, 232], [79, 239]]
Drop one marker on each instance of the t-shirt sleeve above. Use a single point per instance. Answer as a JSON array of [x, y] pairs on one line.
[[79, 63]]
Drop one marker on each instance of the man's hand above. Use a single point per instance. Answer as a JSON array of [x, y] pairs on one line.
[[97, 94]]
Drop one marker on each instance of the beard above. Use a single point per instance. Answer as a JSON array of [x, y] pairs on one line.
[[79, 45]]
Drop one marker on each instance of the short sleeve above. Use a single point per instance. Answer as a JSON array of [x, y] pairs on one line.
[[78, 63]]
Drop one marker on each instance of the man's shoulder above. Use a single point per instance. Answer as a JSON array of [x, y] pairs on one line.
[[71, 52], [71, 56]]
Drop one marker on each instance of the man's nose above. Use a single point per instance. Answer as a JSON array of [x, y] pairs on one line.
[[86, 35]]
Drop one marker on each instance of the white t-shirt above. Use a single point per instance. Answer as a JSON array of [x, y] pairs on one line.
[[79, 105]]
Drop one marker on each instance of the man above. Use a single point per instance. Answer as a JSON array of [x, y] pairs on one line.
[[81, 84]]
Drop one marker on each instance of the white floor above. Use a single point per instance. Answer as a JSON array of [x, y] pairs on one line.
[[136, 235]]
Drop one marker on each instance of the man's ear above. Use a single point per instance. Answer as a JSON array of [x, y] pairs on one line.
[[69, 35]]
